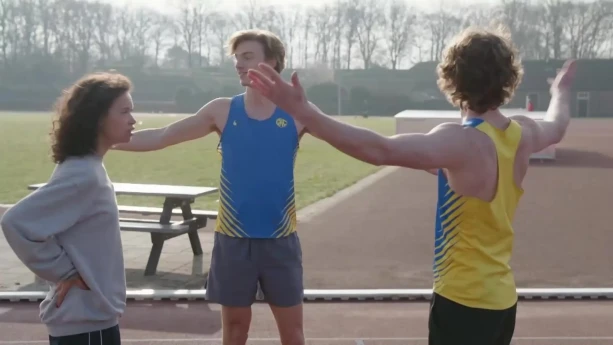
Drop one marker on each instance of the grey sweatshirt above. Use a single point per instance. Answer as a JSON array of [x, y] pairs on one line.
[[70, 226]]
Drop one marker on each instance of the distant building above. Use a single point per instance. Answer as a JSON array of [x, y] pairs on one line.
[[592, 90]]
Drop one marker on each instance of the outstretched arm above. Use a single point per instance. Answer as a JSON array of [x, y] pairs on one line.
[[552, 129], [442, 147], [193, 127]]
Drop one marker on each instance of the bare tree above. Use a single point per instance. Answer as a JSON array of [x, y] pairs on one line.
[[143, 22], [46, 13], [221, 27], [480, 15], [28, 28], [105, 30], [441, 26], [322, 21], [352, 21], [81, 35], [125, 34], [337, 33], [398, 29], [162, 28], [519, 17], [83, 39], [251, 16], [187, 24], [554, 17], [288, 26], [6, 27], [306, 29], [371, 18], [583, 26]]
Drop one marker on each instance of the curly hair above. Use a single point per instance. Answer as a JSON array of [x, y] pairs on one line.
[[273, 46], [480, 70], [80, 111]]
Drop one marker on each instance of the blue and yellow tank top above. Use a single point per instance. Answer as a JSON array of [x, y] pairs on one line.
[[256, 187], [473, 238]]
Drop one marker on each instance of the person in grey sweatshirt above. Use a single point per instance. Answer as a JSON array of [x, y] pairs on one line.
[[67, 232]]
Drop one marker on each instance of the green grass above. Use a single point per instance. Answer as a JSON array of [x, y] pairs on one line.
[[320, 169]]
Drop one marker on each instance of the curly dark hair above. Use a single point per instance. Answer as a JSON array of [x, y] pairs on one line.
[[80, 110], [480, 69]]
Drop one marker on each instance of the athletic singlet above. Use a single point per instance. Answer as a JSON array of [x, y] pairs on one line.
[[473, 238], [256, 187]]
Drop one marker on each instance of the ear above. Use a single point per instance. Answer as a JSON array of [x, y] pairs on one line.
[[272, 63]]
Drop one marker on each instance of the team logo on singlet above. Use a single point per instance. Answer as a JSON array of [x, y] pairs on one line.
[[281, 123]]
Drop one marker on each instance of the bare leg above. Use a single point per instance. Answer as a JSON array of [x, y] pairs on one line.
[[236, 322], [290, 324]]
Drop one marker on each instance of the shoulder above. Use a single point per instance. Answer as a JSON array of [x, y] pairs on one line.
[[528, 125], [216, 107], [81, 172], [215, 112], [451, 131], [448, 126], [523, 120]]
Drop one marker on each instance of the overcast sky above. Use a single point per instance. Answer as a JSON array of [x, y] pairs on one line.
[[230, 5]]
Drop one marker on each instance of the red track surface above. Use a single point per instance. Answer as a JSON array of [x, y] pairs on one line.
[[383, 236], [165, 323]]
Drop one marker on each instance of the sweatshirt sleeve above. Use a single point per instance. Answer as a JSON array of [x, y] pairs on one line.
[[30, 225]]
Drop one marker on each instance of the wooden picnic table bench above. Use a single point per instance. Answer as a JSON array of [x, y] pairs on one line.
[[177, 202]]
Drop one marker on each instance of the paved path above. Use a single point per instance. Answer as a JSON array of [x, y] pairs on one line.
[[166, 323]]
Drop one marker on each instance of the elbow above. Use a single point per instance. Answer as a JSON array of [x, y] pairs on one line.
[[379, 160], [380, 155], [7, 221], [559, 134]]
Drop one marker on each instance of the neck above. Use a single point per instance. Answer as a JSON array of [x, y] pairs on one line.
[[469, 114], [102, 148], [255, 98], [494, 117]]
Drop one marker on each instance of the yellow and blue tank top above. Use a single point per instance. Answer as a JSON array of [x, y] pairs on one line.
[[473, 238], [256, 187]]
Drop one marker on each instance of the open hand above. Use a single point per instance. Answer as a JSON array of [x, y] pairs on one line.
[[65, 286], [563, 81], [287, 96]]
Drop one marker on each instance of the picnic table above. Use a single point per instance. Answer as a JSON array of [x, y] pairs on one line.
[[177, 202]]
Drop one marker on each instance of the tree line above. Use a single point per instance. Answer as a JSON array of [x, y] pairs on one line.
[[78, 35]]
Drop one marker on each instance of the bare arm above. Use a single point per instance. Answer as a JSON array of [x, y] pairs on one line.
[[552, 129], [443, 147], [194, 127]]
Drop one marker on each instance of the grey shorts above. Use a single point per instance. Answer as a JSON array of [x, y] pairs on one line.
[[239, 264]]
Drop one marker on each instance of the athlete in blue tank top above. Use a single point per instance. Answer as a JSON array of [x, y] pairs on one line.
[[255, 234], [256, 198]]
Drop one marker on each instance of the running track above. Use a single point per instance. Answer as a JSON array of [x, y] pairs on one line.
[[576, 254], [376, 323]]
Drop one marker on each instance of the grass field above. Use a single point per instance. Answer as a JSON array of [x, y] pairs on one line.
[[320, 169]]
